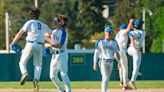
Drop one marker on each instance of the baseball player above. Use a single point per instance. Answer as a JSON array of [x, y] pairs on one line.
[[122, 39], [59, 61], [35, 38], [137, 37], [105, 48]]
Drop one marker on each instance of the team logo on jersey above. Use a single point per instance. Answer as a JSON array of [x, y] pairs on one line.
[[56, 37], [109, 47]]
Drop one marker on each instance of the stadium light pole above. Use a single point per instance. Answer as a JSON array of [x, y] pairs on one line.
[[143, 18], [36, 3]]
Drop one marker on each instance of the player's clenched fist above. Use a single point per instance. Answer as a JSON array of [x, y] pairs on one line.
[[47, 45]]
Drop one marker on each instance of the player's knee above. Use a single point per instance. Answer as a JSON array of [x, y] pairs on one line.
[[52, 77], [22, 63], [105, 78], [37, 64], [63, 74]]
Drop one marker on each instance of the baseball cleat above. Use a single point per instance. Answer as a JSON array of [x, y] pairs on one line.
[[121, 84], [36, 86], [23, 79], [126, 88], [133, 85]]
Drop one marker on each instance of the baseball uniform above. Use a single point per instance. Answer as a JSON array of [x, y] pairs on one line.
[[59, 61], [105, 49], [135, 52], [122, 39], [35, 38]]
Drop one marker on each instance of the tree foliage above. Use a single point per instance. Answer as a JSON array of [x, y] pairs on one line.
[[157, 45], [86, 21], [89, 20]]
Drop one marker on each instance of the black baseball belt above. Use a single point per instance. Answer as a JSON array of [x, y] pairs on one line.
[[34, 42], [107, 60], [57, 51]]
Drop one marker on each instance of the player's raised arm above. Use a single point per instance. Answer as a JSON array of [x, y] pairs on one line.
[[129, 26], [20, 33]]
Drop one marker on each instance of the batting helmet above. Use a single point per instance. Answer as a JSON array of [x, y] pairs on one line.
[[138, 23], [16, 48], [123, 26], [108, 29]]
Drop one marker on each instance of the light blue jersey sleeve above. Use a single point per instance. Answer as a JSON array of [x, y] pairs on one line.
[[97, 50], [130, 34], [115, 45], [97, 46]]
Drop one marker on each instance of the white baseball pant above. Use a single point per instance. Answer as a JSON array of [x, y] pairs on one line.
[[136, 54], [106, 70], [59, 62], [30, 49], [123, 71]]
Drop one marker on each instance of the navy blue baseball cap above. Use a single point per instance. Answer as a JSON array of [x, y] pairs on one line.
[[123, 26], [108, 29], [45, 52], [138, 23], [16, 48]]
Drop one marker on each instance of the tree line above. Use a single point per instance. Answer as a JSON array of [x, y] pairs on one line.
[[86, 19]]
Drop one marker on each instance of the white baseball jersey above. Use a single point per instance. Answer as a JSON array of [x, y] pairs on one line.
[[122, 38], [105, 49], [59, 61], [139, 36], [35, 30], [35, 34], [59, 36]]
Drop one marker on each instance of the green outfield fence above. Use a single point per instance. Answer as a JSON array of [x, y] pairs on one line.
[[80, 67]]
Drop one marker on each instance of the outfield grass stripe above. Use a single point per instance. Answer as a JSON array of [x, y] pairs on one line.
[[84, 84]]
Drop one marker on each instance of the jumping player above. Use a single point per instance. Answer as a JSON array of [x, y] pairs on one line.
[[137, 37], [35, 38], [122, 39], [105, 48], [59, 61]]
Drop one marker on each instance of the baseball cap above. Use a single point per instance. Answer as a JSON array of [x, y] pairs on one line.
[[138, 23], [108, 29], [16, 48], [123, 26]]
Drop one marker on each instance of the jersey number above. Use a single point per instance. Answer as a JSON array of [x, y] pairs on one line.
[[39, 26]]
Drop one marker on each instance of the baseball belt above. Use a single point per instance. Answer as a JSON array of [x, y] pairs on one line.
[[108, 60], [35, 42], [57, 51]]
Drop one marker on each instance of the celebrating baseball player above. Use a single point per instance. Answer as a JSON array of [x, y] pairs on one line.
[[105, 49], [35, 38], [137, 37], [122, 39], [59, 61]]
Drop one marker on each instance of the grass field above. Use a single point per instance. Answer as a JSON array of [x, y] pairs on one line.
[[84, 84]]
